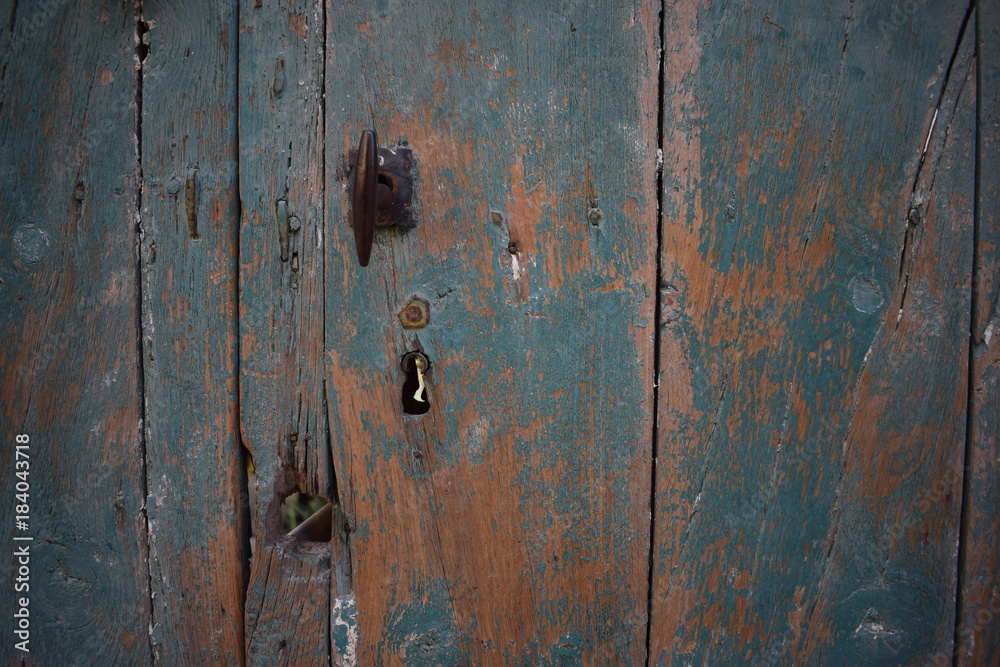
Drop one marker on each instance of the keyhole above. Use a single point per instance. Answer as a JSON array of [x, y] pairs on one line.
[[415, 398]]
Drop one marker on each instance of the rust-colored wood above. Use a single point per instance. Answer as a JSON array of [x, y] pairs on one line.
[[281, 321], [189, 221]]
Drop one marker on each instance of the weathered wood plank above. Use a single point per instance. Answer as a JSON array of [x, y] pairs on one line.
[[509, 524], [813, 387], [68, 326], [281, 320], [189, 223], [907, 436], [979, 609]]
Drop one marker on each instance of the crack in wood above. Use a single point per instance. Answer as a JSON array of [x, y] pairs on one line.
[[140, 332]]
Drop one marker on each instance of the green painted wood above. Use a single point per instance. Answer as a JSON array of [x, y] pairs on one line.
[[979, 602], [7, 8], [281, 320], [189, 224], [814, 341], [509, 524], [821, 231], [68, 326]]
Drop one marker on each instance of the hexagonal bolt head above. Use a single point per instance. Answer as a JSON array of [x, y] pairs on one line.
[[416, 314]]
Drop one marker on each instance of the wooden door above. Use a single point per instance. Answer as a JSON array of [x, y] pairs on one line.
[[711, 332]]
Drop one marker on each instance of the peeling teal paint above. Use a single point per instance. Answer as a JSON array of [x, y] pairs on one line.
[[344, 624], [423, 633], [810, 142]]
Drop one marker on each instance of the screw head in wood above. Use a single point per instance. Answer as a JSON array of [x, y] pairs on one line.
[[416, 314]]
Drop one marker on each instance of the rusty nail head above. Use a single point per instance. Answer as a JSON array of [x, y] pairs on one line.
[[416, 314]]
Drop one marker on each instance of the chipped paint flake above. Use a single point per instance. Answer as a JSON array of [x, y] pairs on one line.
[[344, 631]]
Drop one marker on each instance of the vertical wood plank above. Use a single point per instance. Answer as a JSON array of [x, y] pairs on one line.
[[979, 611], [281, 320], [509, 524], [815, 299], [68, 321], [905, 448], [189, 221]]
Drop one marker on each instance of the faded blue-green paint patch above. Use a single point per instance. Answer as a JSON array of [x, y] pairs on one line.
[[386, 449], [884, 624], [344, 626], [573, 647], [568, 650], [361, 531], [423, 631]]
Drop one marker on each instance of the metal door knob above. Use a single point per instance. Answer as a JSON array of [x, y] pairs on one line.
[[381, 189], [363, 196]]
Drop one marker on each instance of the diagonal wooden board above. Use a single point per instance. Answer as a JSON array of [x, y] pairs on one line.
[[817, 257], [510, 522], [69, 372]]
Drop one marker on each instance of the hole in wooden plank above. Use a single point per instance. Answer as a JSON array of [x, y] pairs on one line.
[[306, 517]]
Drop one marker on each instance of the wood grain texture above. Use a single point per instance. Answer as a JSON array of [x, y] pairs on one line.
[[829, 238], [979, 610], [281, 319], [813, 369], [189, 223], [68, 326], [288, 604], [509, 524]]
